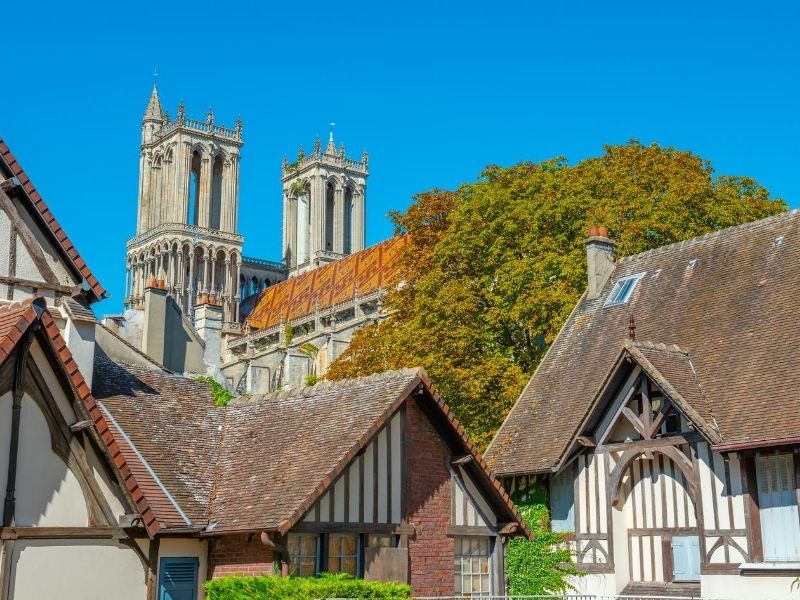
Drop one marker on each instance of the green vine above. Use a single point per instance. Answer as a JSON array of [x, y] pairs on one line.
[[540, 566], [288, 333], [311, 379], [219, 392]]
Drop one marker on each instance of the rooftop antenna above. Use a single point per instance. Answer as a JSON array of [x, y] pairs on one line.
[[155, 77]]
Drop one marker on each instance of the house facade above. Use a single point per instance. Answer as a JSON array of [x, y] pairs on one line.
[[663, 418], [122, 479]]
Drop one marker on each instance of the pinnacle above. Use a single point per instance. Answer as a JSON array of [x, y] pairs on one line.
[[153, 110]]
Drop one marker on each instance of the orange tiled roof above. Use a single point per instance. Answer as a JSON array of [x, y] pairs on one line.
[[366, 271], [61, 237]]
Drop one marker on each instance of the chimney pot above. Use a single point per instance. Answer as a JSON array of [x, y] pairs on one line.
[[602, 231], [593, 230]]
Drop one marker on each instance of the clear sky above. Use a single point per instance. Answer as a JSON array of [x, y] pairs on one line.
[[434, 90]]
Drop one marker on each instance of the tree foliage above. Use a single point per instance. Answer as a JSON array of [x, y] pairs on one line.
[[493, 269]]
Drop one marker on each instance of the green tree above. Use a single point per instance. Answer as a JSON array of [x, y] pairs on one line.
[[493, 269]]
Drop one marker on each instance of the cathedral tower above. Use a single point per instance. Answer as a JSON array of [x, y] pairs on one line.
[[324, 194], [186, 234]]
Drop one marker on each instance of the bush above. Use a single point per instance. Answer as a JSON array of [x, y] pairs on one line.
[[221, 395], [543, 565], [302, 588]]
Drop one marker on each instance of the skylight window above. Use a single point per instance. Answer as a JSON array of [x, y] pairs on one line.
[[623, 289]]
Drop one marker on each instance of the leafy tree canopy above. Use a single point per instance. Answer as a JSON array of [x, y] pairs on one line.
[[493, 269]]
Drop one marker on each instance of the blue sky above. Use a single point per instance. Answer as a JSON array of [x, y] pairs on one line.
[[435, 91]]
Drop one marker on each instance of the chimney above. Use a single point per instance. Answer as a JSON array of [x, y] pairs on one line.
[[600, 260]]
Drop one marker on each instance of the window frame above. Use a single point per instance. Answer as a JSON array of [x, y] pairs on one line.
[[458, 566], [619, 294], [359, 540], [164, 561], [301, 556]]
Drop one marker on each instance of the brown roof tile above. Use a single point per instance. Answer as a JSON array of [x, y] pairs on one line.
[[728, 299]]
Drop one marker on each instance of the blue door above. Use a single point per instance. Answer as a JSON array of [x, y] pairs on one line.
[[686, 558], [177, 578]]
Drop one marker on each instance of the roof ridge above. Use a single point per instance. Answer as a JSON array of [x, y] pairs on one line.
[[710, 235], [660, 346], [325, 386], [134, 348]]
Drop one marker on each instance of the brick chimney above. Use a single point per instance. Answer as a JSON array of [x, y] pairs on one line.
[[600, 260]]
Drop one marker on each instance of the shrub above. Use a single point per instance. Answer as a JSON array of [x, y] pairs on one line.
[[302, 588], [221, 395], [543, 565]]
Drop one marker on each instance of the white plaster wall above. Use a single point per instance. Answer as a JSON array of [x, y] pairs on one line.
[[80, 341], [76, 570], [107, 486], [600, 584], [756, 587], [53, 384], [48, 493], [5, 232], [188, 547]]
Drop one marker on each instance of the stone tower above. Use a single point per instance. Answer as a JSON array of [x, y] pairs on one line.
[[324, 194], [186, 234]]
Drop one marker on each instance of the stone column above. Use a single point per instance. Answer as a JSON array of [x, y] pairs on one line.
[[185, 175], [190, 290], [228, 291], [179, 276], [357, 237], [237, 297], [205, 192], [206, 257], [212, 289]]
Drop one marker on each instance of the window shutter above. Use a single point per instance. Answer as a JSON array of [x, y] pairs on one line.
[[178, 578], [780, 521]]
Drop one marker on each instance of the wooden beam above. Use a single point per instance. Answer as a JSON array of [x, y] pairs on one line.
[[461, 460], [645, 445], [71, 290], [80, 426], [61, 533], [635, 421], [586, 441], [28, 240], [465, 530], [508, 528]]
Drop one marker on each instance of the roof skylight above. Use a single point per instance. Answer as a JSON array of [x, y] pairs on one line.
[[622, 290]]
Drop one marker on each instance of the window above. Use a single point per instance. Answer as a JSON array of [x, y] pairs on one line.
[[381, 540], [303, 550], [622, 290], [177, 578], [780, 522], [562, 501], [472, 571], [343, 554]]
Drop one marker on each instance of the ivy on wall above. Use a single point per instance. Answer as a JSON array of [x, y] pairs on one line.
[[220, 394], [541, 566]]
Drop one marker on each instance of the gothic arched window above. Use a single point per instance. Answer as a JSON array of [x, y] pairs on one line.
[[193, 202], [215, 215], [347, 226], [329, 215]]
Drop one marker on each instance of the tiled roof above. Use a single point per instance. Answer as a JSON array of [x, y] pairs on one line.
[[728, 299], [11, 163], [261, 462], [171, 426], [326, 286], [15, 320]]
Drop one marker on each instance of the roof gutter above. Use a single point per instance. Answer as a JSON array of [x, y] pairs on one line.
[[756, 444]]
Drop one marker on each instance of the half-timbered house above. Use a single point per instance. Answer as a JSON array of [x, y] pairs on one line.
[[372, 477], [121, 479], [664, 418]]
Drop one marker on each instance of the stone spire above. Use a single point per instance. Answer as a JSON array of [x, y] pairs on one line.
[[153, 111], [331, 149]]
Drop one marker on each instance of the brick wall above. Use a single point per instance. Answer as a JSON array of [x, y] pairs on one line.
[[428, 506], [238, 555]]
